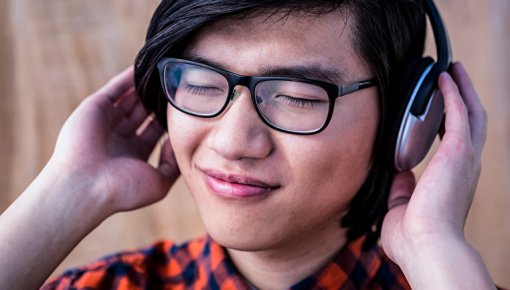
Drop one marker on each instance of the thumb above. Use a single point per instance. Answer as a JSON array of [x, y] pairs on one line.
[[401, 189], [167, 163], [400, 193]]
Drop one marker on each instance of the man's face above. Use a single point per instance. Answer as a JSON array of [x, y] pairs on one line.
[[257, 188]]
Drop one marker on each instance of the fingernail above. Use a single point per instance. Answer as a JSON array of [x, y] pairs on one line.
[[445, 76], [165, 169]]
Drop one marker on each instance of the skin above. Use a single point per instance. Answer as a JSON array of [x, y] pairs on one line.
[[316, 175], [83, 182]]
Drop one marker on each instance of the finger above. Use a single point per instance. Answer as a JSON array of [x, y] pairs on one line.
[[456, 115], [117, 86], [130, 123], [167, 162], [466, 87], [476, 112], [147, 137], [156, 186], [127, 102], [148, 187], [401, 189], [106, 97]]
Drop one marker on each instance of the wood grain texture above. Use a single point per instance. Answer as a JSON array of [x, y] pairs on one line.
[[54, 53], [6, 106]]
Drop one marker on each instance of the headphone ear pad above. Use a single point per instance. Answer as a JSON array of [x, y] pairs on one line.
[[411, 135]]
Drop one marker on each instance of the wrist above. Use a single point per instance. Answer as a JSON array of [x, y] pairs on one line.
[[70, 194], [446, 262], [43, 225]]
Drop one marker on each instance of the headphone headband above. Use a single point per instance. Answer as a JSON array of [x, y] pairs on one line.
[[444, 51]]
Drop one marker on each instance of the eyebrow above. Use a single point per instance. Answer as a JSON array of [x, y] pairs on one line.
[[312, 71]]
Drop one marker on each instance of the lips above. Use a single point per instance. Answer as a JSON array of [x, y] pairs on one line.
[[236, 186]]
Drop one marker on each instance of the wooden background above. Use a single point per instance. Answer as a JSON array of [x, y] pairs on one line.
[[54, 53]]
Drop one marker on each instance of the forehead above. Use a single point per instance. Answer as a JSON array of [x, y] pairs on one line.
[[251, 45]]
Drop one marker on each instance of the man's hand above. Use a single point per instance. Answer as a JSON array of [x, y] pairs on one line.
[[423, 231], [98, 168], [104, 142]]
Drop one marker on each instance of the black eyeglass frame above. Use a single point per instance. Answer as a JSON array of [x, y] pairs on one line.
[[233, 80]]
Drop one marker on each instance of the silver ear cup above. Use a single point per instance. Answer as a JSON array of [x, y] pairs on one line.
[[417, 133]]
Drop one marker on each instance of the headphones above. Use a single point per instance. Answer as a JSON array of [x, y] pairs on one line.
[[420, 117]]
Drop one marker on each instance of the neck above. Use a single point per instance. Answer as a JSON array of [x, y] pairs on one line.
[[289, 263]]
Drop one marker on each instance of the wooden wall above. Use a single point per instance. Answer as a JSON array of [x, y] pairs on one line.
[[54, 53]]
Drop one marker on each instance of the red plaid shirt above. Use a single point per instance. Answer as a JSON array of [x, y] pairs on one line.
[[203, 264]]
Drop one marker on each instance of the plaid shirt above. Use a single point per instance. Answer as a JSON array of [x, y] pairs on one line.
[[203, 264]]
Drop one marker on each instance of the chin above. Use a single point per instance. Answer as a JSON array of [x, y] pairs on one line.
[[246, 239], [240, 243]]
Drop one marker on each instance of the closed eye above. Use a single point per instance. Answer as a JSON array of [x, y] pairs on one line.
[[203, 90], [299, 102]]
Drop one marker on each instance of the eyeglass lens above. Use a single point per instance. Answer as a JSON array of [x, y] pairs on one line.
[[289, 105]]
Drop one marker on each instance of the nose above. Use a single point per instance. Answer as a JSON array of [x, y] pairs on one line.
[[239, 133]]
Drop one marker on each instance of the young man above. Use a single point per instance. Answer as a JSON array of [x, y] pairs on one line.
[[274, 161]]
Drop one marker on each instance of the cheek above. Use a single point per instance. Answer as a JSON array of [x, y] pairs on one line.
[[335, 164], [185, 135], [332, 173]]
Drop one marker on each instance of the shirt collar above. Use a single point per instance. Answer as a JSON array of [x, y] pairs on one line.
[[351, 268]]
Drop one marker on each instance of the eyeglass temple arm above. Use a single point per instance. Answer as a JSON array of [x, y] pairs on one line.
[[351, 88]]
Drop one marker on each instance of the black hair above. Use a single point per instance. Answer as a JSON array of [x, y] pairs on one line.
[[387, 35]]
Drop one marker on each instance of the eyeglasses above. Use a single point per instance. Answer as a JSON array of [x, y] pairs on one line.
[[291, 105]]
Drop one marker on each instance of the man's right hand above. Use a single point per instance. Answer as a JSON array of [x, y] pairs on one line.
[[104, 144], [98, 168]]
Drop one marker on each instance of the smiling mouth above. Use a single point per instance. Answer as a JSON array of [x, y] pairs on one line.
[[236, 186]]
